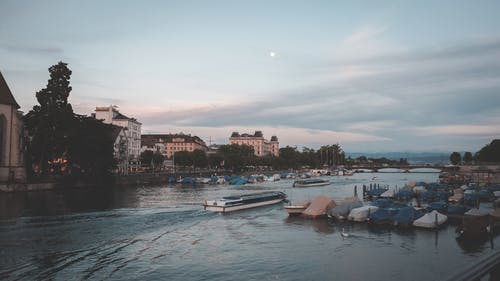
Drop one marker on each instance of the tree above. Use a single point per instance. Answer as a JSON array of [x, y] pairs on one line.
[[61, 142], [215, 160], [490, 152], [49, 122], [199, 158], [158, 159], [289, 158], [455, 158], [90, 149], [183, 159], [337, 154], [147, 157], [467, 157], [236, 157]]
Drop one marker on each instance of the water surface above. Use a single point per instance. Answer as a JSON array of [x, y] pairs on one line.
[[162, 233]]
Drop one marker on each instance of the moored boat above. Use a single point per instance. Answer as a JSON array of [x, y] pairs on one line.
[[431, 220], [244, 201], [310, 182], [297, 208]]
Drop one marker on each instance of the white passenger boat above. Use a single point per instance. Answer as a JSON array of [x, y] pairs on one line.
[[310, 182], [244, 201]]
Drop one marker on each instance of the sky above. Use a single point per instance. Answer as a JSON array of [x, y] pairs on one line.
[[373, 76]]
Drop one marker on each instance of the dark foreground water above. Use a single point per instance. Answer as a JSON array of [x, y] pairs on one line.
[[160, 233]]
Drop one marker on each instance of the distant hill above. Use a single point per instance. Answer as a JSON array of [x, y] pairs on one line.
[[413, 157]]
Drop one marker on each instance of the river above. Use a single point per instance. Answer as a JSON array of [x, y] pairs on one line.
[[162, 233]]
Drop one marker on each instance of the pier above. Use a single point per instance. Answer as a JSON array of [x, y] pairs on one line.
[[488, 265]]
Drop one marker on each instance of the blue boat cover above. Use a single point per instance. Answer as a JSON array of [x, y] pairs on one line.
[[457, 209], [404, 194], [383, 215], [382, 203], [438, 206], [407, 215], [485, 194], [429, 195]]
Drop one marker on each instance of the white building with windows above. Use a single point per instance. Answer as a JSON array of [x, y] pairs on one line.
[[261, 146], [111, 115]]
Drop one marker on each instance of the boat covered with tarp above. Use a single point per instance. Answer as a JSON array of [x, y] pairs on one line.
[[439, 206], [431, 220], [342, 210], [476, 212], [407, 215], [382, 215], [388, 194], [361, 214], [457, 209], [319, 207], [376, 192], [404, 194]]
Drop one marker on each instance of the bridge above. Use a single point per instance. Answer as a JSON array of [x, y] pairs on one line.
[[404, 168]]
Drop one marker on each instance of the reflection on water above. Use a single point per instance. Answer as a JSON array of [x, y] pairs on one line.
[[320, 225], [162, 233]]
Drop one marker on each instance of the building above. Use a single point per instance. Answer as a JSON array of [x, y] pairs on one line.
[[260, 145], [11, 131], [120, 148], [169, 144], [111, 115]]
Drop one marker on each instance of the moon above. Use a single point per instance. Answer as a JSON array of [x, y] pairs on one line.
[[272, 54]]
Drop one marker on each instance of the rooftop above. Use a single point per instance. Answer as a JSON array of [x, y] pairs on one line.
[[6, 96], [151, 139]]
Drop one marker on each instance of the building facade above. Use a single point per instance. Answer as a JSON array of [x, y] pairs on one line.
[[11, 136], [260, 145], [120, 149], [111, 115], [169, 144]]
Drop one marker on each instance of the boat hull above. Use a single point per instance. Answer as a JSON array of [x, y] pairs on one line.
[[310, 184], [295, 210], [226, 209]]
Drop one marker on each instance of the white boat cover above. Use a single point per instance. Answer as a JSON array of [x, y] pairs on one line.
[[388, 194], [361, 213], [342, 211], [431, 220], [419, 189], [464, 187], [476, 212], [319, 206]]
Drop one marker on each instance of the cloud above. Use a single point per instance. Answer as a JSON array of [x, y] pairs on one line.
[[459, 130], [37, 50]]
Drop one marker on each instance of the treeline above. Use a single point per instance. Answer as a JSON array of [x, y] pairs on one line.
[[489, 153], [363, 160], [241, 157]]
